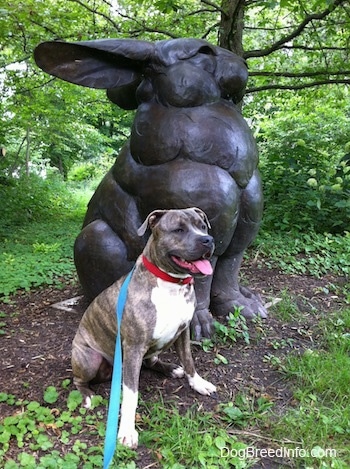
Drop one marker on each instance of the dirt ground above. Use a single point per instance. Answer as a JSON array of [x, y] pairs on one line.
[[35, 349]]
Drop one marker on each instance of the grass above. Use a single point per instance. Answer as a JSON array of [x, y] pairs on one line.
[[286, 309], [173, 446], [320, 416], [36, 249], [36, 245]]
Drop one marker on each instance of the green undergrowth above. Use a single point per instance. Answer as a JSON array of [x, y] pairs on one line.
[[42, 219], [195, 439], [45, 435], [311, 432], [304, 253], [319, 416], [226, 334], [35, 430]]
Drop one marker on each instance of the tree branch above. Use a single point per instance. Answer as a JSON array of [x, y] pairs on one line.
[[302, 86], [317, 36], [214, 27], [15, 62], [41, 85], [298, 75], [198, 12], [143, 28], [314, 49], [215, 6], [46, 28], [99, 13], [297, 31]]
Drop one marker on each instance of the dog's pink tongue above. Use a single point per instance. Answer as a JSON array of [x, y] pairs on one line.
[[204, 266]]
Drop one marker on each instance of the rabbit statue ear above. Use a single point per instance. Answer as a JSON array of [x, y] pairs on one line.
[[106, 63]]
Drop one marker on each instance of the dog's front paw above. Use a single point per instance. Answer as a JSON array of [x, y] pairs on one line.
[[129, 437], [201, 385]]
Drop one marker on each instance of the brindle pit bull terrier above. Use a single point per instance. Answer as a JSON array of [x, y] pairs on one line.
[[157, 313]]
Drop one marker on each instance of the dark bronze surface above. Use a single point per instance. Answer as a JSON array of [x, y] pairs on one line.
[[189, 146]]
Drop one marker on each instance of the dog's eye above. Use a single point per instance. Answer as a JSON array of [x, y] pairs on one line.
[[204, 227], [179, 230]]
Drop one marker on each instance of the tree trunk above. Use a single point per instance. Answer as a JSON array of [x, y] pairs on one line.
[[61, 167], [231, 25], [27, 151]]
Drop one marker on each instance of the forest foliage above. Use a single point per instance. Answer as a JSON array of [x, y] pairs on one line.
[[297, 99]]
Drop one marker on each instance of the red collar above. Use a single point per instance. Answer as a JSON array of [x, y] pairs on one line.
[[163, 275]]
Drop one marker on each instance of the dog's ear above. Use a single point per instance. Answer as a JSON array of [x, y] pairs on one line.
[[203, 216], [151, 221], [112, 64]]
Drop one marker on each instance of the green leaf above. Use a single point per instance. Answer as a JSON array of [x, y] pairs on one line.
[[50, 395], [44, 442], [74, 400], [33, 406], [11, 464], [220, 442], [234, 413], [27, 460]]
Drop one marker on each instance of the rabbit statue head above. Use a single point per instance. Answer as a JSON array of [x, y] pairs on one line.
[[175, 72]]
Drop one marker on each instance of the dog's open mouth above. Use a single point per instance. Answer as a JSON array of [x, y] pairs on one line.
[[200, 266]]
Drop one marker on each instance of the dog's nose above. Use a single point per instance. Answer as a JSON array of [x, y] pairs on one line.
[[207, 241]]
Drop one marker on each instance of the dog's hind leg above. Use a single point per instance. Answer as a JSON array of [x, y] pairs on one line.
[[167, 369], [88, 366]]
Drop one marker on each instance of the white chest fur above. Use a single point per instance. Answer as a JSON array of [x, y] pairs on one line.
[[174, 306]]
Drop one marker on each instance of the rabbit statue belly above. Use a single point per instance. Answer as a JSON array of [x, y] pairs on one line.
[[189, 146], [214, 134]]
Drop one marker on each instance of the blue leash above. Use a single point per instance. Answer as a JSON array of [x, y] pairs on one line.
[[114, 399]]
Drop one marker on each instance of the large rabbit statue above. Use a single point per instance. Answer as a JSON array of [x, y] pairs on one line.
[[189, 147]]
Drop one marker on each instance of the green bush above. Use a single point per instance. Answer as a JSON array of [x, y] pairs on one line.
[[32, 198], [82, 172], [304, 191], [306, 183]]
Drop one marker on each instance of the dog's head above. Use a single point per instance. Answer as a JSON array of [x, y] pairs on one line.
[[179, 242]]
